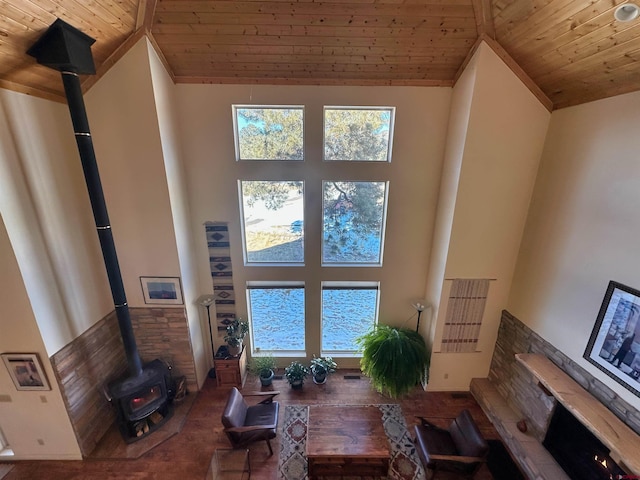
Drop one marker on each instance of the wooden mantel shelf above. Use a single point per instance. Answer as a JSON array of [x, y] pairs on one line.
[[623, 442]]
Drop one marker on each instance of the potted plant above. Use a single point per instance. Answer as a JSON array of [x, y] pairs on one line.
[[321, 367], [263, 367], [236, 331], [296, 373], [395, 359]]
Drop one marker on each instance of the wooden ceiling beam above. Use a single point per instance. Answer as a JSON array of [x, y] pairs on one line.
[[484, 18], [316, 81], [146, 11]]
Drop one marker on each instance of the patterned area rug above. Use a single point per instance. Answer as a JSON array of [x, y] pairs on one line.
[[292, 464]]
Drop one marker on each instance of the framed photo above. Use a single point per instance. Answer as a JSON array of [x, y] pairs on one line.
[[162, 290], [26, 371], [614, 345]]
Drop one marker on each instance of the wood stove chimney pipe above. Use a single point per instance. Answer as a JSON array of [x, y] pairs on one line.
[[67, 50]]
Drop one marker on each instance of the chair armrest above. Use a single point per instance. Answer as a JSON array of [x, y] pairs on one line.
[[269, 395], [456, 458], [249, 428]]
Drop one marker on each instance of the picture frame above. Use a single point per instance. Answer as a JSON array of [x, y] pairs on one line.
[[614, 344], [162, 290], [26, 371]]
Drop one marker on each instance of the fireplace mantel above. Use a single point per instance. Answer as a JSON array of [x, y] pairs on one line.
[[623, 442]]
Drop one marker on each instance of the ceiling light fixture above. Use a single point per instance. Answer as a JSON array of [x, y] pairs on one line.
[[627, 12]]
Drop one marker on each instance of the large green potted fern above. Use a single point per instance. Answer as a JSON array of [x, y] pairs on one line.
[[395, 359]]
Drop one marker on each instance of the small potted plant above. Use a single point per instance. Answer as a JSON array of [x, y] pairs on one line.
[[263, 367], [296, 373], [236, 331], [321, 367]]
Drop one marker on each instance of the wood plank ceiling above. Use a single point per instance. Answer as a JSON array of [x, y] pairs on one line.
[[567, 51]]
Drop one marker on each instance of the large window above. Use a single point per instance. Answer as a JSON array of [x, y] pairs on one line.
[[269, 133], [358, 134], [344, 197], [349, 310], [353, 222], [276, 311], [273, 221]]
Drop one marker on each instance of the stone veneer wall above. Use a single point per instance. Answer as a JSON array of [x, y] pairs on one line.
[[84, 367], [521, 390], [164, 333]]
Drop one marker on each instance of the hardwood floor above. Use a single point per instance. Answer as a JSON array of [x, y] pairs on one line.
[[186, 456]]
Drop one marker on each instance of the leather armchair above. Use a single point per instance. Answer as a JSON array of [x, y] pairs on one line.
[[244, 424], [459, 448]]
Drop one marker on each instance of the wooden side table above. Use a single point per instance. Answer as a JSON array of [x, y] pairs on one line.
[[231, 371]]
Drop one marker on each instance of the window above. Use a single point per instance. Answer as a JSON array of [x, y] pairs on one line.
[[269, 133], [276, 311], [358, 134], [273, 221], [353, 222], [349, 310]]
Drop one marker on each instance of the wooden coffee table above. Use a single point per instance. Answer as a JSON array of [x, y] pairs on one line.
[[346, 440]]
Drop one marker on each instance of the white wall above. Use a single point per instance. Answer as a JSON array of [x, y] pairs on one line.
[[46, 208], [583, 226], [502, 147], [124, 127], [28, 416], [421, 119], [164, 93]]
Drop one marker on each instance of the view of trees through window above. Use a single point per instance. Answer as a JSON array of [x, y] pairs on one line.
[[353, 214], [269, 133], [273, 215], [357, 134], [352, 222]]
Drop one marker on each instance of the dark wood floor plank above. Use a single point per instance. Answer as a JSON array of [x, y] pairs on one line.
[[187, 454]]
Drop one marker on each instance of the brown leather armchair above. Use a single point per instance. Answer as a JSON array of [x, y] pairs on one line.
[[459, 448], [246, 424]]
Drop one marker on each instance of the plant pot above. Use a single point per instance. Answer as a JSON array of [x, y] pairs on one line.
[[319, 378], [235, 351], [266, 381], [296, 384]]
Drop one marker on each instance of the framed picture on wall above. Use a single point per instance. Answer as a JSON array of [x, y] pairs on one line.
[[614, 345], [26, 371], [162, 290]]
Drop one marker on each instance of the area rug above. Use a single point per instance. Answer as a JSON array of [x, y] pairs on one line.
[[5, 468], [292, 464]]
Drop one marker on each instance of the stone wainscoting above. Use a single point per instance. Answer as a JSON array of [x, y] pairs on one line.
[[85, 366], [511, 393]]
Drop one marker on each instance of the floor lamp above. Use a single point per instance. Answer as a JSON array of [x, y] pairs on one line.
[[206, 301], [419, 306]]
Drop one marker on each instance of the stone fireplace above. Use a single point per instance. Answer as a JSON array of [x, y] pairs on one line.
[[512, 393]]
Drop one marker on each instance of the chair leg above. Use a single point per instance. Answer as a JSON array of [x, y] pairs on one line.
[[270, 449]]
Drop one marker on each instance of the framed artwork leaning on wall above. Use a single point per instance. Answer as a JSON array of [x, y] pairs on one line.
[[614, 344]]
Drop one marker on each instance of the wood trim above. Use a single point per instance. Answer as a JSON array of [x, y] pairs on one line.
[[484, 18], [466, 60], [163, 59], [34, 92], [146, 11], [616, 435], [519, 72], [313, 81]]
